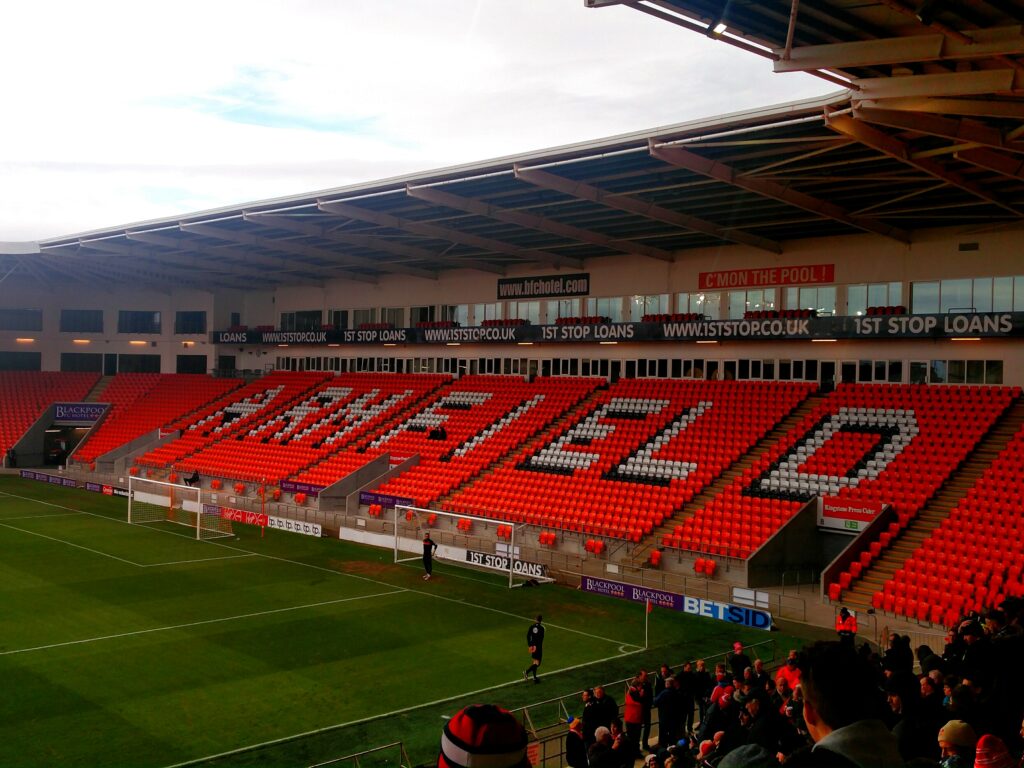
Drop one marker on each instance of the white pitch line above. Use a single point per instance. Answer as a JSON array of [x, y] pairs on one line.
[[240, 616], [40, 517], [198, 560], [381, 716], [70, 544]]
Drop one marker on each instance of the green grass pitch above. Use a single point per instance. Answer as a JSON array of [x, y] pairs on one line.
[[135, 645]]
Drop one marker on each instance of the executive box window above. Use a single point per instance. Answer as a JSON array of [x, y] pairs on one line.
[[860, 297], [821, 299], [455, 313], [305, 320], [757, 300], [525, 310], [190, 322], [21, 319], [72, 362], [606, 306], [21, 361], [363, 317], [707, 304], [393, 315], [81, 320], [483, 312], [656, 304], [338, 318], [979, 294], [138, 363], [956, 372], [129, 321], [556, 308]]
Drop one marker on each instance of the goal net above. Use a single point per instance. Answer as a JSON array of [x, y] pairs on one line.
[[155, 501], [467, 541]]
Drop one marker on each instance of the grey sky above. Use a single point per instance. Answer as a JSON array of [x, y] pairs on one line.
[[124, 111]]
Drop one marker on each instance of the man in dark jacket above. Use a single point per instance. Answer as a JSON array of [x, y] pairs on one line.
[[739, 661], [670, 713]]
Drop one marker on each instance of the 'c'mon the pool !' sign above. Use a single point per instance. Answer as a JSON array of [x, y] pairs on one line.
[[807, 274], [695, 606]]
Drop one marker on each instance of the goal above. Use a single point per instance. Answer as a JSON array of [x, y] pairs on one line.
[[467, 541], [155, 501]]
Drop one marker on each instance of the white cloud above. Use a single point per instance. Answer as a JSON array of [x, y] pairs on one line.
[[125, 111]]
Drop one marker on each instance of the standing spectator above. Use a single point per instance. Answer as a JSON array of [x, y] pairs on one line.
[[633, 716], [846, 627], [702, 685], [761, 677], [992, 753], [842, 710], [670, 713], [607, 707], [429, 548], [591, 716], [790, 672], [659, 680], [688, 693], [575, 747], [739, 661], [648, 704], [535, 642], [600, 754]]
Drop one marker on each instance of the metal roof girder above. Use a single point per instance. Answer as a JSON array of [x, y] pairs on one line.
[[534, 221], [993, 161], [445, 233], [693, 162], [935, 125], [883, 142], [585, 191]]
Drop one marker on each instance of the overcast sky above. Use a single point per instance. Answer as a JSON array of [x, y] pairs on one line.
[[118, 112]]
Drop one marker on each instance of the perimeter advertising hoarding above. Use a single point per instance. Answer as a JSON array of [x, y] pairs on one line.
[[501, 562], [77, 414], [695, 606], [874, 327]]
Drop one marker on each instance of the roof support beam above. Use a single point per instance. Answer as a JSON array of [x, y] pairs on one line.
[[594, 194], [994, 161], [978, 83], [533, 221], [445, 233], [980, 43], [278, 221], [893, 147], [984, 107], [943, 127], [690, 161], [306, 251], [245, 258], [139, 267]]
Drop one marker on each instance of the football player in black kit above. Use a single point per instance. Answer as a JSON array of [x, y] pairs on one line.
[[535, 642], [429, 548]]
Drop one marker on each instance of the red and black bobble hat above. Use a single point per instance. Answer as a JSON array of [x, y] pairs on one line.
[[483, 736]]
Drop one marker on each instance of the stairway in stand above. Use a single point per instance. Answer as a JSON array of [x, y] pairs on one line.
[[858, 596], [96, 393]]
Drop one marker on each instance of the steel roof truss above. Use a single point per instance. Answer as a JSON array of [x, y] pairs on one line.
[[579, 189], [424, 229], [960, 130], [690, 161], [893, 147], [534, 221]]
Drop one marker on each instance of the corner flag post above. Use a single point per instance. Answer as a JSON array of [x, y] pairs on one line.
[[647, 617]]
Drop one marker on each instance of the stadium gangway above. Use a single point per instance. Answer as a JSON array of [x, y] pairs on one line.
[[403, 756]]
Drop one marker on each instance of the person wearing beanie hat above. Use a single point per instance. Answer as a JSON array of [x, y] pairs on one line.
[[957, 740], [483, 736], [992, 753], [575, 749]]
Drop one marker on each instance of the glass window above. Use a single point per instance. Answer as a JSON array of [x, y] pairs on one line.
[[975, 371], [895, 371], [90, 320], [21, 319], [525, 310], [937, 374], [606, 306], [918, 372], [956, 371], [456, 313], [557, 308], [393, 315], [819, 298], [364, 317], [857, 300], [647, 305], [924, 298], [306, 320], [993, 371], [338, 318], [481, 312], [982, 294], [1018, 293], [707, 304], [190, 322], [955, 295], [138, 322], [1002, 294], [757, 300]]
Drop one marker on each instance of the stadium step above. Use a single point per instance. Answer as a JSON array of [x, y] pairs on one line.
[[96, 393], [641, 552], [936, 511]]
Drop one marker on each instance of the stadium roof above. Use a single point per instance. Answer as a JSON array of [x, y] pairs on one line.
[[926, 133]]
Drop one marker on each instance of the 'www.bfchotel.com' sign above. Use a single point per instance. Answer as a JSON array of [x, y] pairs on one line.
[[709, 609]]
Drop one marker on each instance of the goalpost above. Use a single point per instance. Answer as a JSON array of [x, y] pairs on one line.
[[468, 541], [156, 501]]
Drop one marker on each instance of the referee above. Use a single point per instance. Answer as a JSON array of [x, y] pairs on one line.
[[535, 642]]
